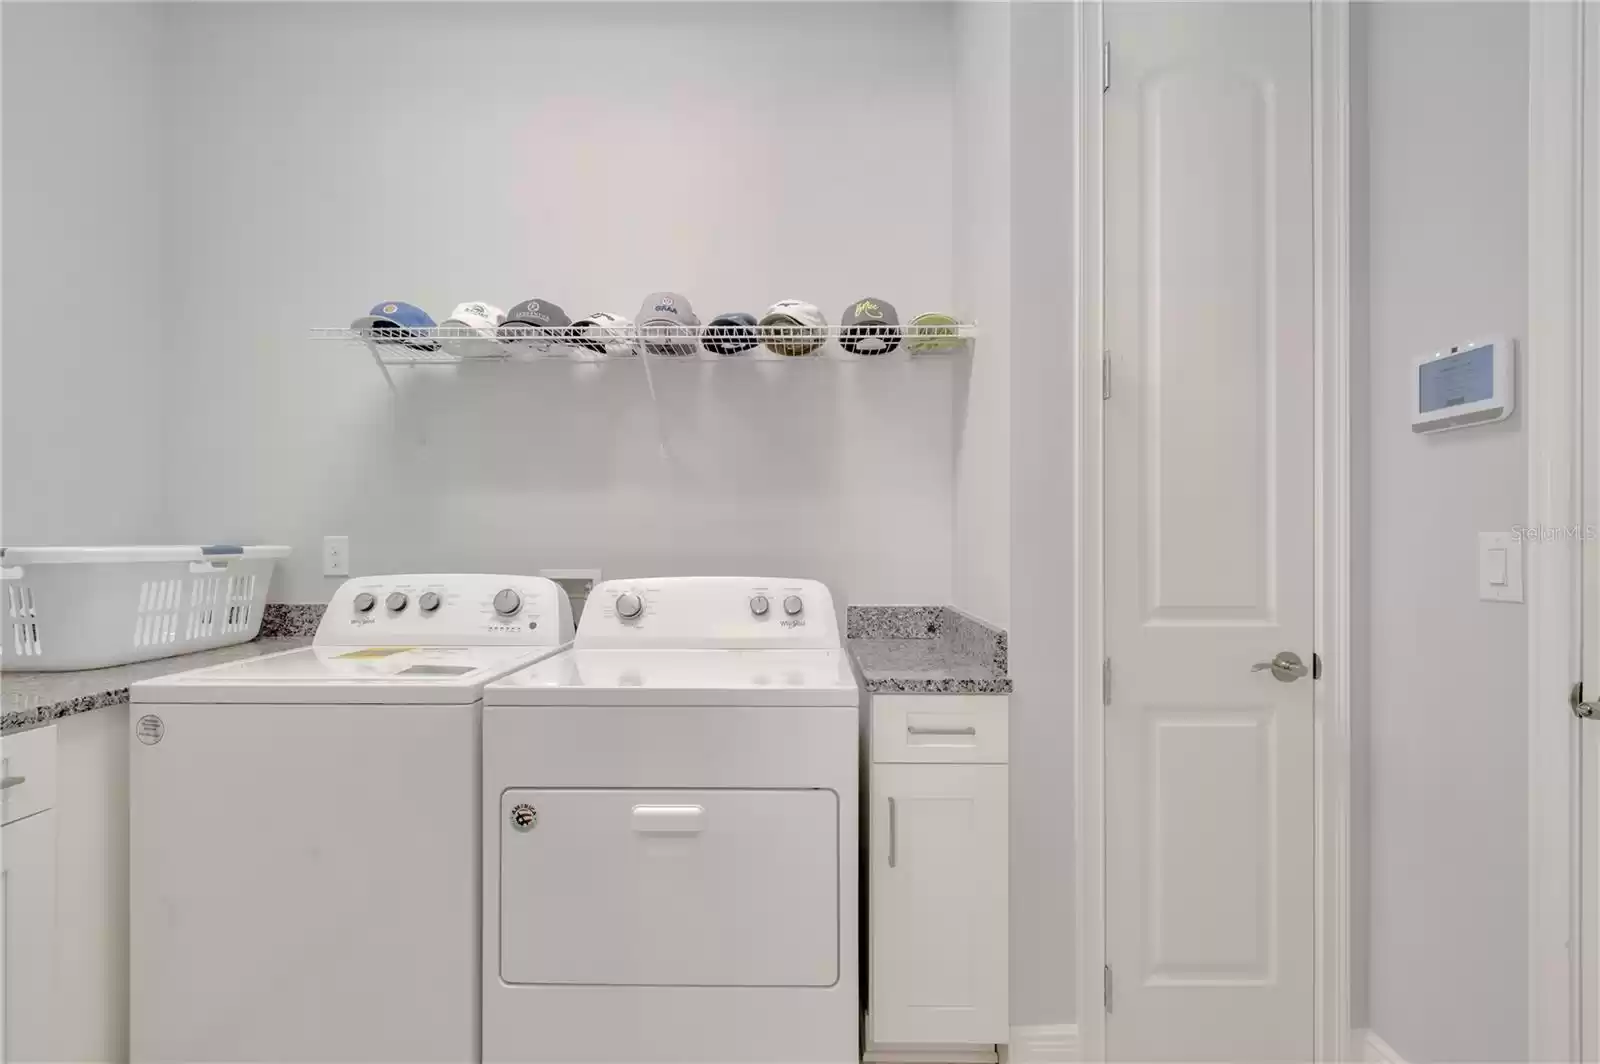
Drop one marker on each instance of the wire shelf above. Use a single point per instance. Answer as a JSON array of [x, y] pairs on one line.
[[453, 345]]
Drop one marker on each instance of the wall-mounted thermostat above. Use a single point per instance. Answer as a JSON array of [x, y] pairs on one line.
[[1466, 385]]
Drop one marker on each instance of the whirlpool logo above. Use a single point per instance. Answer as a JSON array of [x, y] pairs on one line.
[[794, 622]]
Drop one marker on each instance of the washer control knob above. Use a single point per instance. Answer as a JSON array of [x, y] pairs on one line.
[[759, 605], [792, 605], [428, 601], [629, 606], [507, 602], [364, 602], [396, 601]]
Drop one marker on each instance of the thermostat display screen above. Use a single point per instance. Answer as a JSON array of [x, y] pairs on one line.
[[1467, 377]]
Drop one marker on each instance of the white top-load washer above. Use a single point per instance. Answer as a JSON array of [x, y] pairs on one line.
[[304, 855], [670, 826]]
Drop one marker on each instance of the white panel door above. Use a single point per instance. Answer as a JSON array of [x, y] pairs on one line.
[[1208, 531], [27, 937], [938, 921]]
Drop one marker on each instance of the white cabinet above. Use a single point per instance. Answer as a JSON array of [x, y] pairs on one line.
[[27, 896], [937, 875]]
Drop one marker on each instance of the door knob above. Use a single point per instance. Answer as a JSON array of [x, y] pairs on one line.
[[1286, 667], [1581, 709]]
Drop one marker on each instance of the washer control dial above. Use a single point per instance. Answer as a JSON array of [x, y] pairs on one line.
[[364, 602], [759, 605], [629, 606], [428, 601], [792, 605], [396, 601], [507, 602]]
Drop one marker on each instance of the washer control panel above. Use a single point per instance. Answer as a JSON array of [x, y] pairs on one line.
[[462, 609], [710, 612]]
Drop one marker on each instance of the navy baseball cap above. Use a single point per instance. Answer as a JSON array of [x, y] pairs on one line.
[[394, 323], [733, 333]]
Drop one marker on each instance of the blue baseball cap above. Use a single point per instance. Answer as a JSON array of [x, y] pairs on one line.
[[398, 318]]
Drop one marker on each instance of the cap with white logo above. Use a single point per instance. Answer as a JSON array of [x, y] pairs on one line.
[[794, 327], [869, 327], [535, 322], [603, 335], [482, 318], [667, 324], [398, 323], [730, 334]]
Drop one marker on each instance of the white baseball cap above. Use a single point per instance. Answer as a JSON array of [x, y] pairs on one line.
[[794, 327], [602, 335], [481, 318]]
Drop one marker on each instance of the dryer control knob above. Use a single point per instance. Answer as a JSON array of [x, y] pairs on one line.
[[507, 602], [364, 602], [759, 605], [428, 601], [396, 601], [629, 606], [792, 605]]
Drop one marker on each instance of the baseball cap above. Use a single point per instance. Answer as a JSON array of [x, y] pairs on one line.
[[398, 323], [667, 324], [536, 321], [481, 318], [869, 327], [934, 332], [794, 327], [733, 333], [603, 334]]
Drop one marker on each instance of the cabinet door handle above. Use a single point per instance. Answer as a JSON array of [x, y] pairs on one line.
[[11, 781], [893, 834], [917, 729]]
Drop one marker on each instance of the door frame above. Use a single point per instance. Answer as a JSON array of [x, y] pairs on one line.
[[1330, 37], [1562, 97]]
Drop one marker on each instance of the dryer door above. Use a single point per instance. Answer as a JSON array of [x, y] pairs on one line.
[[669, 887]]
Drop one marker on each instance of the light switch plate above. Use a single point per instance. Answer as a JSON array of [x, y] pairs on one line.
[[1499, 567]]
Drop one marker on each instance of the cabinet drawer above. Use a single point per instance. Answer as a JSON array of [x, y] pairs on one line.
[[27, 773], [939, 728]]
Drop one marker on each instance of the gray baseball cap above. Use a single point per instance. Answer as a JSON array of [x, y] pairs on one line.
[[667, 324], [540, 314], [869, 327]]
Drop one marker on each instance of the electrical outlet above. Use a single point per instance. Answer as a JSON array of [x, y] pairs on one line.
[[335, 555]]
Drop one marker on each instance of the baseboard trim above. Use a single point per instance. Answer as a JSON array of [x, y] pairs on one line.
[[1051, 1043], [1375, 1050]]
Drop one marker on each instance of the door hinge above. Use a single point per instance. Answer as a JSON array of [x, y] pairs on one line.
[[1316, 666], [1105, 66], [1105, 374], [1108, 988], [1105, 682]]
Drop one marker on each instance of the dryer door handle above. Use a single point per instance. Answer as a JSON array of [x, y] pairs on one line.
[[669, 819]]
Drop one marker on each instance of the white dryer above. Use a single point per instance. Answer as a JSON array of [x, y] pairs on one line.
[[670, 826], [304, 854]]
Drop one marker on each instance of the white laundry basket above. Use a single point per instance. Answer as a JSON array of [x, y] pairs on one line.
[[89, 607]]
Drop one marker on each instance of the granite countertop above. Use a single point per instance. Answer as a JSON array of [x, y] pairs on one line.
[[926, 650], [31, 699]]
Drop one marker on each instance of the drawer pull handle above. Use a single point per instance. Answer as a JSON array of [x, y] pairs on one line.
[[915, 729], [11, 781], [893, 834]]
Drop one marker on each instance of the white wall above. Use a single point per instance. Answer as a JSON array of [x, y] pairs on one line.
[[81, 410], [1042, 401], [981, 575], [1447, 109], [327, 156]]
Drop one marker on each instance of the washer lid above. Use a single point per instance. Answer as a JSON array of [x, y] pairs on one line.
[[401, 674], [682, 678]]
